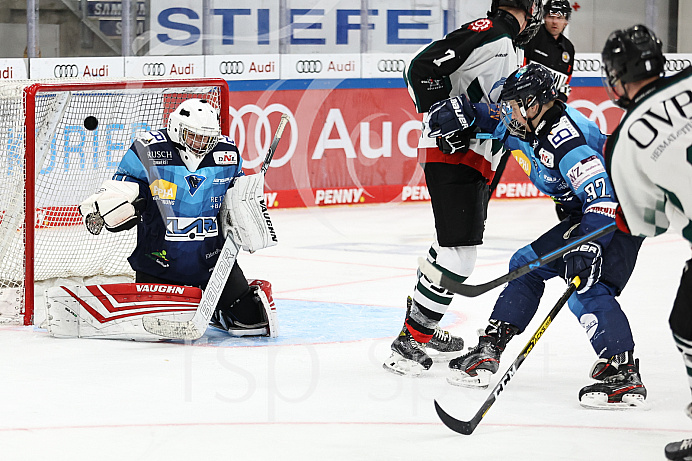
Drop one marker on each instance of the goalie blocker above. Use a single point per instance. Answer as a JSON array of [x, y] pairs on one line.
[[115, 311]]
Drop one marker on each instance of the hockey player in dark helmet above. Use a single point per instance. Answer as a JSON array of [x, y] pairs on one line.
[[527, 88], [560, 150], [632, 55], [650, 166], [534, 12], [473, 60]]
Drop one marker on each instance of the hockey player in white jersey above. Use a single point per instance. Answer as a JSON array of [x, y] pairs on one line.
[[471, 60], [648, 158]]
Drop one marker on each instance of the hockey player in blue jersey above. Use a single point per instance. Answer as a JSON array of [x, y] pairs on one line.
[[560, 150], [171, 184]]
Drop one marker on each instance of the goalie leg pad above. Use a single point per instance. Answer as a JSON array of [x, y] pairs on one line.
[[115, 311], [244, 214]]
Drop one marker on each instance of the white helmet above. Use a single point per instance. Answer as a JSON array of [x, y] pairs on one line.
[[194, 128]]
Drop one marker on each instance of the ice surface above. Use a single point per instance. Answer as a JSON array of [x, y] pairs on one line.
[[341, 276]]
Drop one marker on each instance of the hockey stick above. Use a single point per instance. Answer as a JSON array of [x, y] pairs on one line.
[[467, 427], [445, 279], [197, 325]]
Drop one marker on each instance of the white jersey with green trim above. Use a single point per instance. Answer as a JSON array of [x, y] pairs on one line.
[[649, 158]]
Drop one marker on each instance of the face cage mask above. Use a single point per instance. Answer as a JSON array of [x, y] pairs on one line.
[[514, 127], [609, 83], [198, 144]]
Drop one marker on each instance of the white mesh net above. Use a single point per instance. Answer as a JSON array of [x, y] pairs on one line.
[[72, 158]]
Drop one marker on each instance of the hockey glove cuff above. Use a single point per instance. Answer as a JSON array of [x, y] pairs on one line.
[[584, 261]]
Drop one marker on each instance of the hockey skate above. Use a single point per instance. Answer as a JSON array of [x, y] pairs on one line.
[[680, 451], [475, 368], [620, 385], [443, 346], [408, 357]]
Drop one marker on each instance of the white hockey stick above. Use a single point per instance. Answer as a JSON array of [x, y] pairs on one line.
[[197, 325]]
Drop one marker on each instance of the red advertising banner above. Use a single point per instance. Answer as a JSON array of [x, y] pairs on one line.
[[357, 145]]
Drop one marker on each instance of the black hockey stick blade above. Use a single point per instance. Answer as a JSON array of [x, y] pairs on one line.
[[447, 281], [467, 427]]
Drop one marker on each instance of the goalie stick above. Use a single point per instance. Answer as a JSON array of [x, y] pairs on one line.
[[467, 427], [197, 325], [448, 280]]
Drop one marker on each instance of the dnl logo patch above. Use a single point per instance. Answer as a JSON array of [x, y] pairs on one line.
[[163, 190]]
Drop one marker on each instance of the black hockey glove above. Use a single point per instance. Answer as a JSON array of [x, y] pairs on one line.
[[455, 142], [584, 261], [450, 116]]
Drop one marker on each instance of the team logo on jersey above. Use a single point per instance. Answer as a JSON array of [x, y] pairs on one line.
[[523, 161], [563, 132], [547, 158], [186, 229], [480, 25], [193, 182], [226, 158], [565, 56], [159, 257], [151, 137], [163, 190]]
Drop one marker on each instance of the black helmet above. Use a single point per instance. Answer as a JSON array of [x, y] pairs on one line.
[[528, 86], [629, 56], [534, 16], [558, 6]]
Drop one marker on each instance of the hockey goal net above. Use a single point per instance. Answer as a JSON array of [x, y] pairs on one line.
[[53, 155]]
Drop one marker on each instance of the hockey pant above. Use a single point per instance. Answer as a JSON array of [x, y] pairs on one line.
[[430, 301], [605, 323], [680, 320]]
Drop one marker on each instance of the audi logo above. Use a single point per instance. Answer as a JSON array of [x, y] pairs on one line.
[[154, 69], [258, 118], [309, 67], [391, 65], [66, 70], [677, 64], [231, 67], [587, 65]]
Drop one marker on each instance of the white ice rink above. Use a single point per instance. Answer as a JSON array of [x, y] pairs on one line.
[[341, 276]]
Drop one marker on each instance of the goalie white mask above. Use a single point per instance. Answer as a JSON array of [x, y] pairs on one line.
[[194, 128]]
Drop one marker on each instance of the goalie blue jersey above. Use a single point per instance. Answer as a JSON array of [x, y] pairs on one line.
[[178, 237]]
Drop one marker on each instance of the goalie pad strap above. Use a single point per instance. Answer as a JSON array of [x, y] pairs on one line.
[[244, 214]]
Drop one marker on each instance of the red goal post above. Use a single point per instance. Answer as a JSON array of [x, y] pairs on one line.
[[51, 160]]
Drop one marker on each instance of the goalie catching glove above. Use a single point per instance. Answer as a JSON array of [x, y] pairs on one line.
[[244, 214], [450, 122], [116, 206]]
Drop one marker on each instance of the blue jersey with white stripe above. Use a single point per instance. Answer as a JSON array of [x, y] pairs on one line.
[[564, 160], [178, 237]]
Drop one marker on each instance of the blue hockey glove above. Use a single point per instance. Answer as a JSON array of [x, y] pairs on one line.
[[449, 116], [584, 261]]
